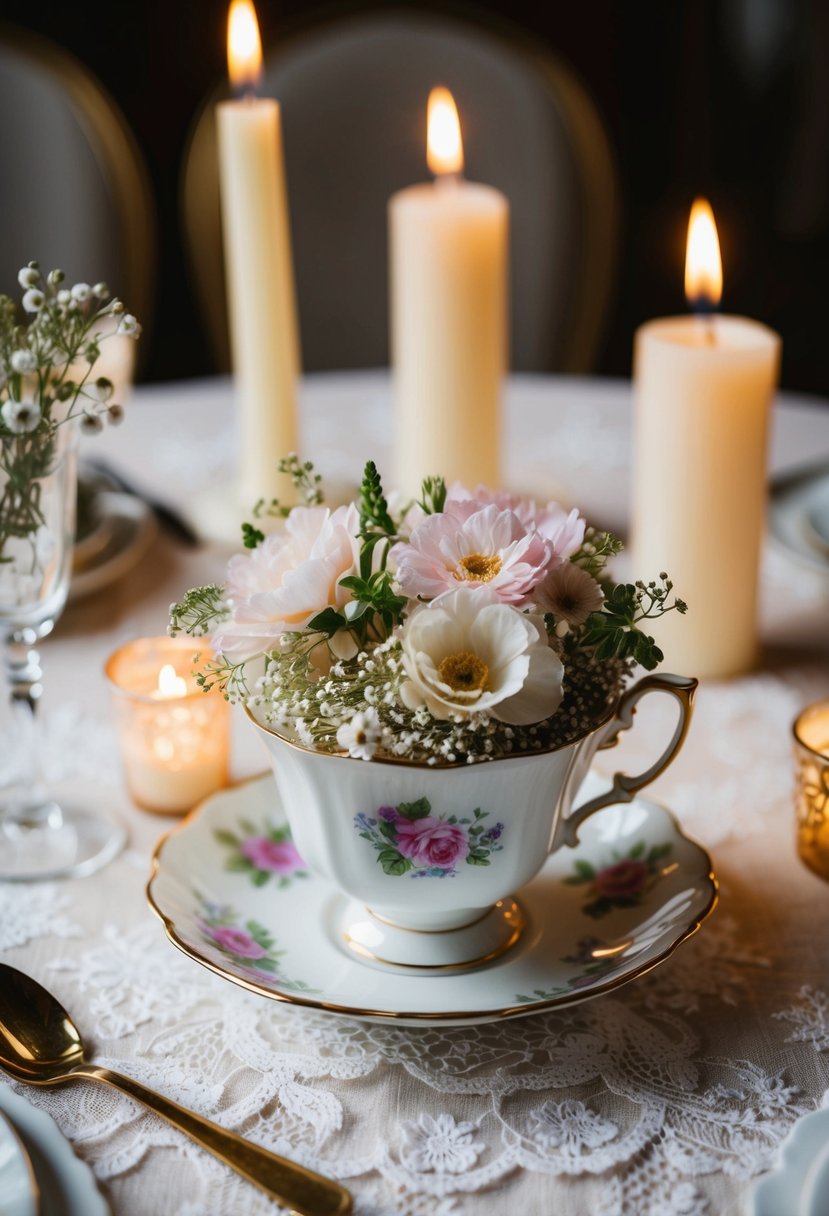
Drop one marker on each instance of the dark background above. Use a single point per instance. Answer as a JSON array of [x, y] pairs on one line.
[[729, 98]]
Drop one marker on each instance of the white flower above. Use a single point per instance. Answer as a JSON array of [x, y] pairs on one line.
[[467, 653], [129, 326], [439, 1145], [361, 735], [21, 417], [64, 296], [81, 292], [33, 300], [100, 290], [570, 593], [289, 578], [23, 361], [28, 276]]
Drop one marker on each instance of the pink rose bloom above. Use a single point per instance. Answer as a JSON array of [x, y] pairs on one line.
[[280, 857], [283, 583], [431, 842], [564, 530], [471, 547], [236, 941], [622, 880]]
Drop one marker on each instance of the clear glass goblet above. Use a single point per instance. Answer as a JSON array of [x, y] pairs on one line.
[[39, 838]]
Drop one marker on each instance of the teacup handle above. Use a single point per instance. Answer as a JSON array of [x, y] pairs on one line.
[[624, 788]]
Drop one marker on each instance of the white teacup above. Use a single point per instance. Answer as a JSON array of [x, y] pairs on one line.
[[428, 856]]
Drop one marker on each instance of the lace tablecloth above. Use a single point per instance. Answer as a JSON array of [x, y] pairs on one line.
[[665, 1097]]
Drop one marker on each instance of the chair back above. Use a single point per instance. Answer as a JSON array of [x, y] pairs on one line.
[[74, 191], [353, 93]]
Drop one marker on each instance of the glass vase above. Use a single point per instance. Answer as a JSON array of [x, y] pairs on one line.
[[39, 837]]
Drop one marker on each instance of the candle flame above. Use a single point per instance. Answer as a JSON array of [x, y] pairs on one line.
[[444, 147], [169, 684], [244, 48], [703, 265]]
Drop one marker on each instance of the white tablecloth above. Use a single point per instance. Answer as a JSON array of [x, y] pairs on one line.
[[667, 1096]]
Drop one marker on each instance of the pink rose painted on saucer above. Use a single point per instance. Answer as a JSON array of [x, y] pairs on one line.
[[237, 942], [623, 882], [263, 855], [250, 948], [409, 839]]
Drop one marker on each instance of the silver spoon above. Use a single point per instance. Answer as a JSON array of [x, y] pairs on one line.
[[41, 1045]]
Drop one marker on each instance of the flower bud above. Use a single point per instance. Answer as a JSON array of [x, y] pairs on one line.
[[23, 361]]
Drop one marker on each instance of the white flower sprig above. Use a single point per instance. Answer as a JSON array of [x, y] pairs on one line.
[[46, 381]]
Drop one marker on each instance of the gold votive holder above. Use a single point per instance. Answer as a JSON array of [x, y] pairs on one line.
[[811, 750], [174, 737]]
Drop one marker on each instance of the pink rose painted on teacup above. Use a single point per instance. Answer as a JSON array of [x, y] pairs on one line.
[[237, 942], [409, 839], [622, 883], [281, 857], [431, 842]]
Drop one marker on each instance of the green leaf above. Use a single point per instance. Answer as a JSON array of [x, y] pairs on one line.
[[251, 537], [238, 865], [327, 621], [477, 859], [637, 850], [387, 830], [584, 869], [393, 863], [415, 810], [225, 837], [260, 877]]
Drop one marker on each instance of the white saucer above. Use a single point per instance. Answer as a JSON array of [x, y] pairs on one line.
[[66, 1184], [589, 928], [799, 515], [130, 528], [19, 1193], [800, 1183]]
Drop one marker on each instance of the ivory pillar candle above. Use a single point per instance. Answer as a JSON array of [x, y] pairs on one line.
[[448, 261], [258, 267], [703, 387]]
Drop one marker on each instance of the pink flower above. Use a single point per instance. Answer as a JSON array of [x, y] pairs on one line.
[[280, 857], [283, 583], [621, 880], [472, 547], [236, 941], [564, 530], [431, 842]]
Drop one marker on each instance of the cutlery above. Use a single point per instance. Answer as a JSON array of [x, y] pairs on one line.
[[40, 1045]]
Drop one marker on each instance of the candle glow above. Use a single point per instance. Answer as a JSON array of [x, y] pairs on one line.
[[169, 684], [703, 264], [244, 47], [444, 146]]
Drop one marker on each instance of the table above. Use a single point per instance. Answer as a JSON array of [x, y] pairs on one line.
[[665, 1097]]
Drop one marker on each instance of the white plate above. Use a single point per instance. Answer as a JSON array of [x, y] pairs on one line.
[[799, 1186], [19, 1192], [67, 1185], [799, 515], [597, 916], [132, 528]]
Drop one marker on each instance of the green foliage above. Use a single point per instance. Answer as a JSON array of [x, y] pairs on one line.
[[199, 611], [433, 495], [596, 550], [251, 537], [614, 632], [374, 510]]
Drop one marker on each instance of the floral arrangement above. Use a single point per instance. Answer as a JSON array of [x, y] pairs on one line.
[[45, 383], [463, 626]]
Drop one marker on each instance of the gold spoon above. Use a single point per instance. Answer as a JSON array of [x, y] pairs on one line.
[[41, 1045]]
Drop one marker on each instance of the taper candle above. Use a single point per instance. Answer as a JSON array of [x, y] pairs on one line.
[[703, 387], [258, 265], [448, 288]]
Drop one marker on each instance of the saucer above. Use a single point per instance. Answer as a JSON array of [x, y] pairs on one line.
[[799, 514], [800, 1182], [234, 895], [127, 528]]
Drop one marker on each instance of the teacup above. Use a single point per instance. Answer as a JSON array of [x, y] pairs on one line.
[[427, 857]]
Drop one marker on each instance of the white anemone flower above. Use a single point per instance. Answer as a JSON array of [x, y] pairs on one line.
[[361, 734], [468, 653], [81, 292], [20, 417], [28, 276], [23, 361], [570, 593]]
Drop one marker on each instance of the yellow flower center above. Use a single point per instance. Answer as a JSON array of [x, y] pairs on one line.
[[479, 567], [463, 672]]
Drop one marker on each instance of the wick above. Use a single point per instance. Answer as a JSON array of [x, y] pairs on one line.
[[448, 181], [705, 313]]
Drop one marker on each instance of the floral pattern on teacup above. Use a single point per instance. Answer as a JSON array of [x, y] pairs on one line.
[[623, 882], [409, 839], [262, 854], [250, 946]]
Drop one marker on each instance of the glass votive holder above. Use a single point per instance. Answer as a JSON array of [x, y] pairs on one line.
[[174, 737], [811, 750]]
